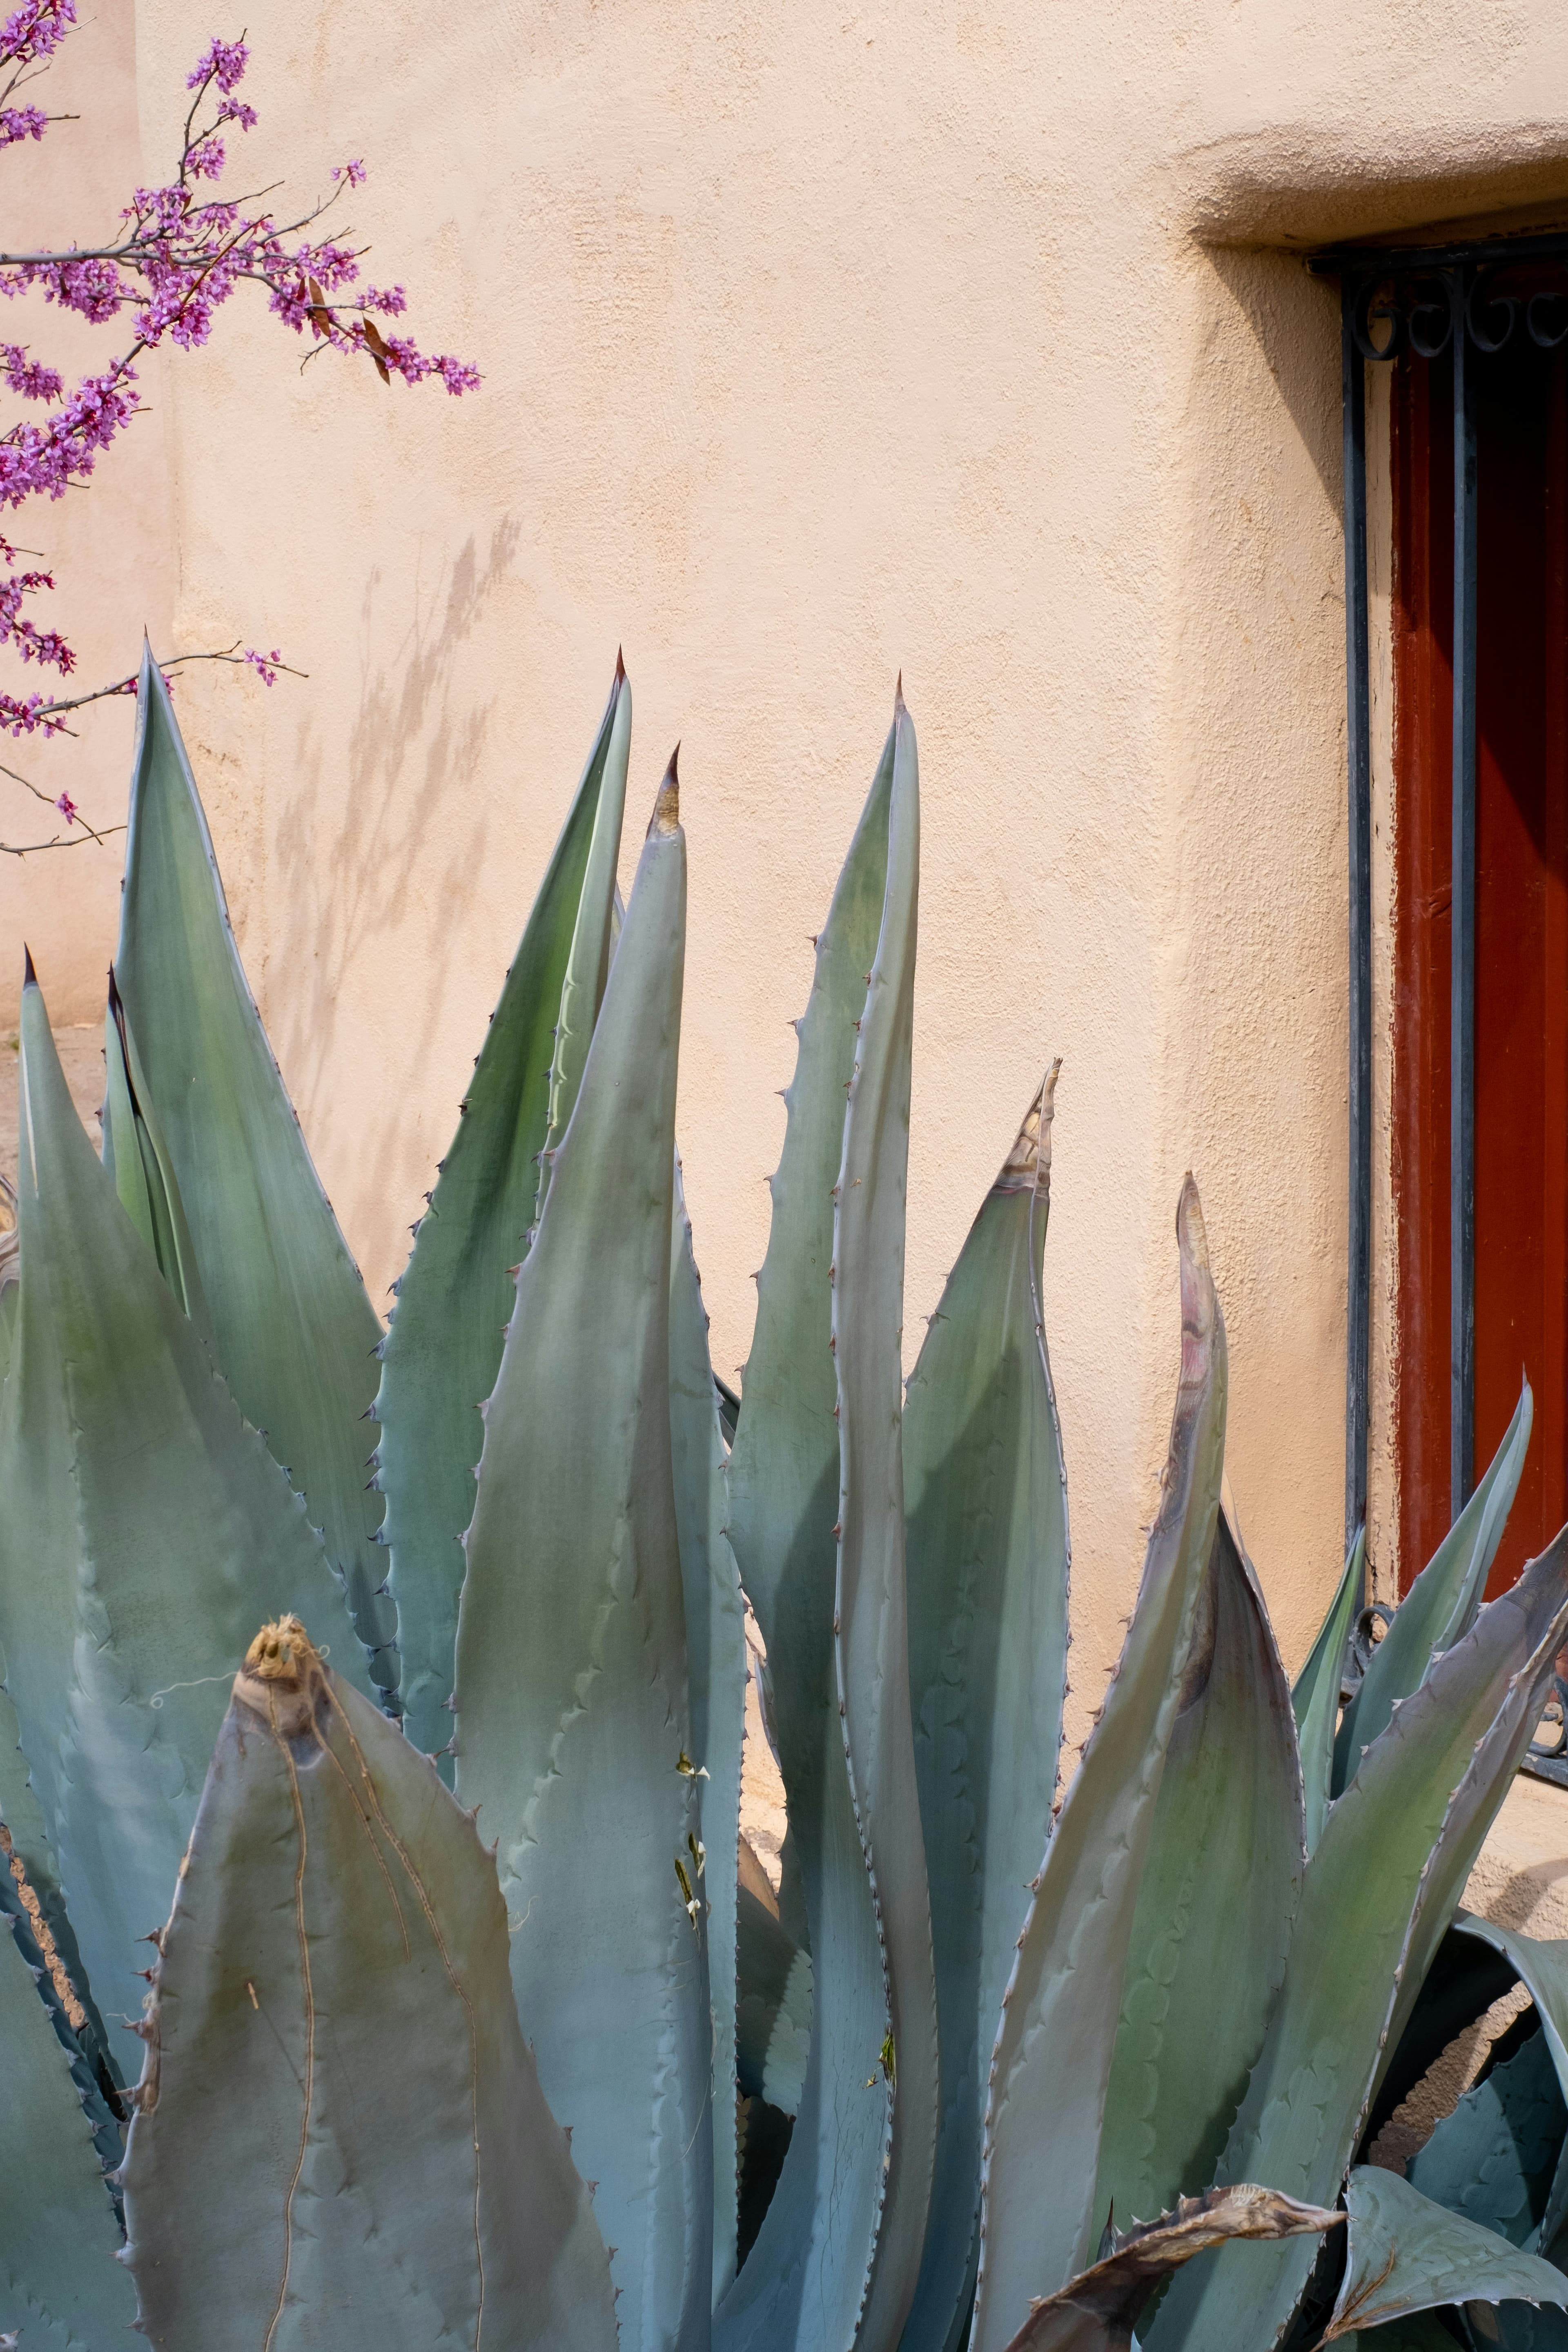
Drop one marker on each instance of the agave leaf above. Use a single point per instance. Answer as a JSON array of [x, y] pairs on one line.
[[1508, 2326], [716, 1663], [572, 1724], [988, 1566], [597, 925], [1465, 1978], [60, 2285], [1542, 1965], [1379, 1894], [146, 1526], [1098, 2311], [1219, 1898], [1315, 1696], [1053, 2047], [803, 2286], [870, 1618], [30, 1897], [772, 2008], [1440, 1606], [136, 1155], [336, 1905], [1491, 2160], [443, 1346], [1407, 2255], [293, 1330]]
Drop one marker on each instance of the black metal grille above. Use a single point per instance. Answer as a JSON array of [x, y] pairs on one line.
[[1438, 304]]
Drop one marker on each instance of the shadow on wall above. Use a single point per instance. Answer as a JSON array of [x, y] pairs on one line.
[[401, 869], [1294, 319]]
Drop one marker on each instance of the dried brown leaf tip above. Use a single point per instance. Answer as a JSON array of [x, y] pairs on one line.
[[283, 1678], [666, 818], [1027, 1167]]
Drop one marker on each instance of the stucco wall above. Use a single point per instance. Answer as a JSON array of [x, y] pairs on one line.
[[820, 343]]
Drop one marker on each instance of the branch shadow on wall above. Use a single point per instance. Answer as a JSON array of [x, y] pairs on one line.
[[416, 831]]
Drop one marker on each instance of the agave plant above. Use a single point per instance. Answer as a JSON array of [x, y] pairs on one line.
[[384, 1977]]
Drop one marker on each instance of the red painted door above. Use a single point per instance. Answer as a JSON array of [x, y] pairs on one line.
[[1521, 932]]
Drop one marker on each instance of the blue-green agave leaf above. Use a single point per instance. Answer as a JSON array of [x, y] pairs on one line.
[[61, 2287], [594, 932], [1505, 2327], [1493, 2158], [293, 1330], [1465, 1978], [341, 2144], [1440, 1606], [1407, 2255], [1377, 1900], [146, 1528], [870, 1612], [1316, 1696], [1054, 2049], [1097, 2310], [716, 1661], [573, 1731], [772, 2008], [443, 1346], [1217, 1902], [31, 1899], [988, 1568], [137, 1159], [803, 2286], [1541, 1966]]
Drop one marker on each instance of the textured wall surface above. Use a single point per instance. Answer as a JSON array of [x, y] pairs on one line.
[[820, 342]]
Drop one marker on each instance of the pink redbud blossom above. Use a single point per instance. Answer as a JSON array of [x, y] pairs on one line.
[[223, 62], [36, 31], [67, 807]]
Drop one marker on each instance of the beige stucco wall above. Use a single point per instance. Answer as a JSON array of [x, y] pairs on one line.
[[820, 343]]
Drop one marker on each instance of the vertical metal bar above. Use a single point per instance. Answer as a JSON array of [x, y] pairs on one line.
[[1358, 735], [1462, 953]]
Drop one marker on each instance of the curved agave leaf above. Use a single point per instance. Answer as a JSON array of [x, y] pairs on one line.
[[1440, 1606], [30, 1898], [716, 1663], [293, 1329], [870, 1613], [1407, 2255], [1098, 2311], [146, 1526], [1491, 2160], [443, 1345], [335, 1905], [804, 2284], [60, 2285], [597, 925], [572, 1727], [1316, 1696], [144, 1174], [1216, 1907], [988, 1570], [1541, 1966], [1508, 2326], [1464, 1979], [772, 2008], [1058, 2035], [1378, 1896]]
